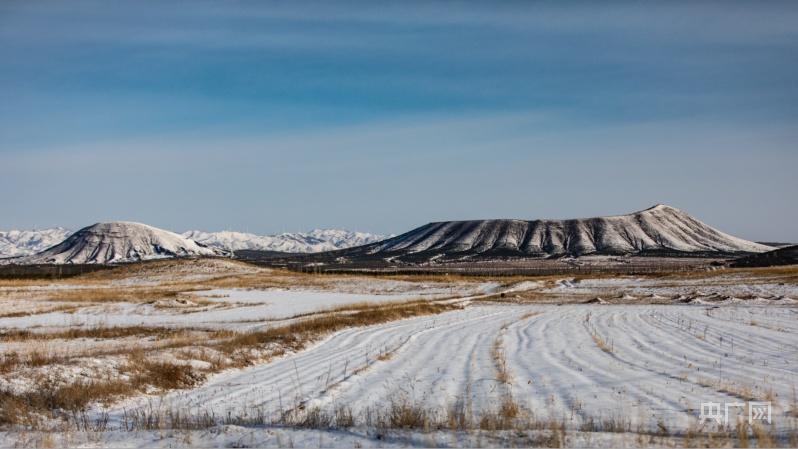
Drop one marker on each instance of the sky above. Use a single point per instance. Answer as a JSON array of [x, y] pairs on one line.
[[286, 116]]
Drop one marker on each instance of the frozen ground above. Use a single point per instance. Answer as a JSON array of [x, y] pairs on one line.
[[41, 307], [580, 362], [660, 363], [228, 308], [729, 289]]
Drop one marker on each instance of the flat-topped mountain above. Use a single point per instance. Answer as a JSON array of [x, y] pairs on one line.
[[658, 230], [116, 242]]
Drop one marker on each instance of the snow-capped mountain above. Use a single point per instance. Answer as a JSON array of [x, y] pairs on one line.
[[297, 242], [660, 229], [26, 242], [119, 241]]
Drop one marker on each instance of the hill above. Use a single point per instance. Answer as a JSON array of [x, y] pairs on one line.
[[781, 256], [117, 242]]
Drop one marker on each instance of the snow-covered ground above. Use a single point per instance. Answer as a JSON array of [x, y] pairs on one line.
[[725, 290], [630, 368], [661, 363], [238, 308], [233, 309]]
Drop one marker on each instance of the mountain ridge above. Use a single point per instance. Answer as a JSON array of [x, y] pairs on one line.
[[660, 228], [317, 240], [786, 255], [18, 243]]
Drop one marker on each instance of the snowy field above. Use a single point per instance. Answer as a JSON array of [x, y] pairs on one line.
[[546, 361], [227, 308]]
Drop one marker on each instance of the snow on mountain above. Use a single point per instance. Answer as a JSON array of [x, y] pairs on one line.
[[119, 242], [657, 229], [23, 243], [297, 242]]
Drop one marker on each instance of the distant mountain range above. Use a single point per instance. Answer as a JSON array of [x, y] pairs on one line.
[[25, 243], [15, 244], [297, 242]]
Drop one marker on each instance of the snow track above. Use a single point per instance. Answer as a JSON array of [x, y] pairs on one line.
[[655, 364]]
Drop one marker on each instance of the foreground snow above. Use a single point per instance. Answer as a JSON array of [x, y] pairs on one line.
[[659, 364], [602, 361]]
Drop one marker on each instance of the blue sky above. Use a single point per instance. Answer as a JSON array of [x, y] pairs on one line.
[[374, 116]]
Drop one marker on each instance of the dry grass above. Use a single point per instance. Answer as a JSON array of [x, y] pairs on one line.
[[52, 399], [612, 424], [12, 283], [66, 308], [528, 315], [786, 273], [114, 294], [601, 343], [740, 391], [43, 349], [8, 361], [166, 376], [402, 414], [32, 407], [152, 281], [385, 356], [97, 332], [500, 362], [764, 436], [596, 337]]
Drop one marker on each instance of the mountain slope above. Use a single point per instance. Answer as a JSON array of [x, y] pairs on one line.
[[116, 242], [23, 243], [297, 242], [660, 229], [782, 256]]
